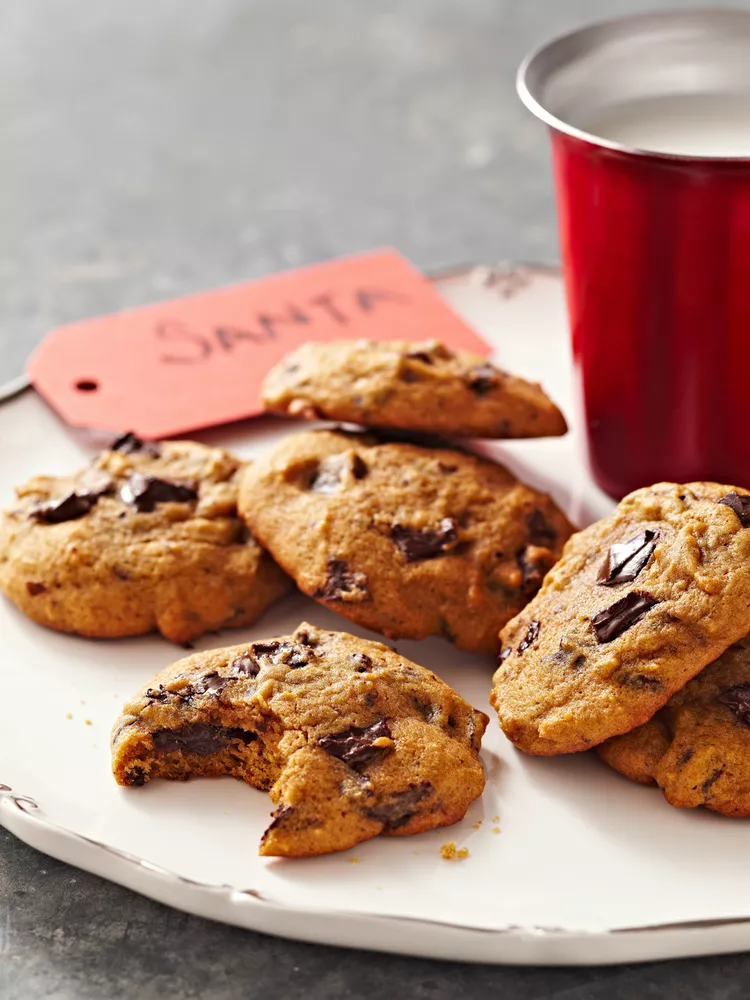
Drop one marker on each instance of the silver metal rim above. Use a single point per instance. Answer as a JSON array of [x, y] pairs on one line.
[[603, 28]]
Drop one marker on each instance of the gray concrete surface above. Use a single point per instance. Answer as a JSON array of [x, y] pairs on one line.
[[158, 147]]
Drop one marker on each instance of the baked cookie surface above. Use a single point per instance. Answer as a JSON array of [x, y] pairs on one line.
[[423, 387], [638, 604], [696, 748], [406, 540], [351, 739], [147, 537]]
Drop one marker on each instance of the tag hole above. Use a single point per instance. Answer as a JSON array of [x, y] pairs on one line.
[[87, 385]]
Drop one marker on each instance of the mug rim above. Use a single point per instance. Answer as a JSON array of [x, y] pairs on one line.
[[588, 37]]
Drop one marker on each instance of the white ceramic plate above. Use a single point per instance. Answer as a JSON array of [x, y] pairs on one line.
[[585, 868]]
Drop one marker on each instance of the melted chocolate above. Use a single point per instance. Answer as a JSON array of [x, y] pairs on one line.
[[618, 617], [738, 699], [67, 508], [483, 379], [143, 493], [342, 584], [398, 809], [532, 634], [355, 745], [740, 504], [541, 531], [416, 545], [624, 561], [129, 444], [199, 738]]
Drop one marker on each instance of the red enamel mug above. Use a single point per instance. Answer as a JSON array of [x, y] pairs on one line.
[[650, 124]]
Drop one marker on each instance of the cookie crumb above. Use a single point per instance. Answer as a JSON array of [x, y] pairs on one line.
[[477, 824], [353, 861], [88, 722], [448, 852], [68, 715], [495, 819], [496, 829]]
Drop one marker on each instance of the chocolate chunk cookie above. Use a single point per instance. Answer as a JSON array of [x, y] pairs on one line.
[[639, 603], [406, 540], [351, 739], [419, 387], [696, 748], [147, 537]]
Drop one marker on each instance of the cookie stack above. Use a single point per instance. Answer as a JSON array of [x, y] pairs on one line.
[[636, 645]]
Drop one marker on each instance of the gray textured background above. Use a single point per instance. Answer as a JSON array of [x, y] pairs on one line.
[[158, 147]]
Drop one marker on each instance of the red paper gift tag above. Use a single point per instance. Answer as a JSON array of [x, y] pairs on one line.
[[172, 367]]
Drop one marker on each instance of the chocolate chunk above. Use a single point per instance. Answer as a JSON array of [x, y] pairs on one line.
[[331, 472], [446, 468], [483, 379], [67, 508], [738, 699], [35, 589], [426, 709], [420, 356], [685, 756], [199, 738], [711, 780], [533, 563], [282, 652], [532, 634], [143, 493], [504, 654], [244, 664], [541, 531], [277, 818], [618, 617], [355, 745], [343, 584], [266, 648], [129, 443], [398, 809], [740, 505], [136, 777], [370, 698], [624, 561], [416, 545], [359, 467], [214, 684], [158, 694], [362, 663]]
